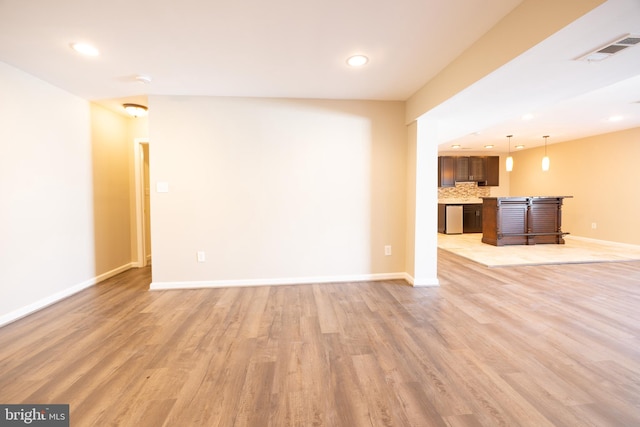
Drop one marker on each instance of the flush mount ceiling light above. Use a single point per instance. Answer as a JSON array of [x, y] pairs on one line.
[[143, 79], [85, 49], [357, 60], [135, 110], [455, 146], [519, 147], [488, 146]]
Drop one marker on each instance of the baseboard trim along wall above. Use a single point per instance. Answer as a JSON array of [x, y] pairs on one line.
[[422, 283], [157, 286], [52, 299]]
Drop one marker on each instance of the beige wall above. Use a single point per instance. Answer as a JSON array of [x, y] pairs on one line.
[[600, 172], [111, 152], [275, 190]]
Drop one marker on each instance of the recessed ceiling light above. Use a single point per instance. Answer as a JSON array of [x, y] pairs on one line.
[[357, 60], [488, 146], [519, 147], [85, 49], [456, 146], [527, 116], [615, 118]]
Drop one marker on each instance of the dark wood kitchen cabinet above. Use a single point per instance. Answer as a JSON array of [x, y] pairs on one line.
[[477, 169], [469, 169], [472, 218], [485, 170], [446, 171], [493, 171], [462, 169]]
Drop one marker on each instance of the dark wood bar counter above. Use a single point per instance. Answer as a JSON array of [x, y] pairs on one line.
[[522, 220]]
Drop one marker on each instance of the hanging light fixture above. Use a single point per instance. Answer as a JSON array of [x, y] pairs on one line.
[[509, 158], [545, 159], [135, 110]]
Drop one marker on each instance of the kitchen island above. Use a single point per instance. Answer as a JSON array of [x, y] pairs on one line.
[[522, 220]]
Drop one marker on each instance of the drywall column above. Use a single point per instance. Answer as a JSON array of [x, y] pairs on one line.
[[426, 205]]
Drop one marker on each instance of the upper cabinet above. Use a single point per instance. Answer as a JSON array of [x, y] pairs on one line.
[[472, 168], [492, 176], [462, 169], [485, 170], [446, 171]]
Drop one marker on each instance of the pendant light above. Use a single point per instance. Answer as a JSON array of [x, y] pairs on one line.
[[545, 159], [509, 158]]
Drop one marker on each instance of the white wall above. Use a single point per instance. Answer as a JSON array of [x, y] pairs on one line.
[[65, 173], [46, 219], [276, 191]]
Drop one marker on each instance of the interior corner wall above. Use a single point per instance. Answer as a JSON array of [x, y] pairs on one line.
[[276, 190], [412, 146], [112, 149], [47, 248], [600, 172]]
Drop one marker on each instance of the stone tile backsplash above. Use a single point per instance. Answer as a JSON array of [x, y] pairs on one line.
[[464, 190]]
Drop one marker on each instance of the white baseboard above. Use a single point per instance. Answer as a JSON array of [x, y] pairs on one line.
[[156, 286], [52, 299], [422, 283], [602, 242]]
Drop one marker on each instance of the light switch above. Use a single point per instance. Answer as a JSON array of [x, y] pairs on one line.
[[162, 187]]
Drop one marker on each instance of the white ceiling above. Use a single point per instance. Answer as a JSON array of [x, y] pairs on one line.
[[293, 48], [277, 48], [569, 99]]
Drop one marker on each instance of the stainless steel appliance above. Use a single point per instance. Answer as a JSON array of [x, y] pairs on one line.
[[453, 221]]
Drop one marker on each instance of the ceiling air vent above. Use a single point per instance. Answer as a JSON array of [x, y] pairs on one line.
[[610, 49]]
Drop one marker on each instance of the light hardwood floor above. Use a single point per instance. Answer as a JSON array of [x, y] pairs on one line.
[[524, 346]]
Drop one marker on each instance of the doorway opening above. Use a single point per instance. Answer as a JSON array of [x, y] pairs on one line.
[[142, 196]]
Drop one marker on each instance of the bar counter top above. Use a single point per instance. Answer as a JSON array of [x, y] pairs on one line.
[[522, 220]]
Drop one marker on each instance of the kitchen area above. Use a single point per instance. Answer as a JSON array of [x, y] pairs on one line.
[[466, 205], [462, 182]]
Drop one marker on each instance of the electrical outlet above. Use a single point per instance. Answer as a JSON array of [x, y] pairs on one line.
[[594, 225], [387, 250], [201, 256]]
